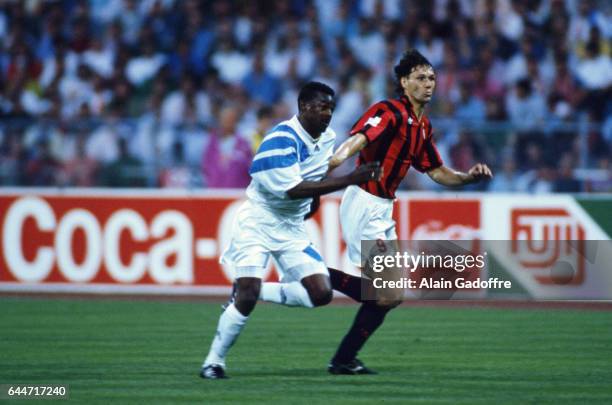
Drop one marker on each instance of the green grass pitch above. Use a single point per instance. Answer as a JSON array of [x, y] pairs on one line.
[[124, 351]]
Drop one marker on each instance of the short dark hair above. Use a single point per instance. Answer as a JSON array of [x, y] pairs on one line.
[[265, 112], [524, 84], [311, 90], [411, 59]]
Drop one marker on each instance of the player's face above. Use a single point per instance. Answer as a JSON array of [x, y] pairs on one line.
[[317, 113], [419, 85]]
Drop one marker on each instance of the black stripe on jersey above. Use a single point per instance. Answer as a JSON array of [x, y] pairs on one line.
[[419, 138], [383, 148], [397, 165], [432, 156]]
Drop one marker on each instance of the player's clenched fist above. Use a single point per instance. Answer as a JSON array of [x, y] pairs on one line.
[[480, 171], [367, 172]]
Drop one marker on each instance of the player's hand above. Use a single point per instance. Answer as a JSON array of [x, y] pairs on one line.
[[480, 171], [369, 172], [314, 206]]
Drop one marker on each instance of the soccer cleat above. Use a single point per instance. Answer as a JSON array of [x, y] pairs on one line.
[[353, 367], [213, 372], [232, 297]]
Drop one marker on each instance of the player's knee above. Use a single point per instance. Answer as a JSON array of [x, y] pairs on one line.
[[248, 293], [388, 303], [321, 296]]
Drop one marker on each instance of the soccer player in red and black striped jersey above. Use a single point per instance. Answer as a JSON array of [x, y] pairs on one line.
[[396, 133]]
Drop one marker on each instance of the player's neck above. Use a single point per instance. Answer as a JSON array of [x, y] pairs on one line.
[[417, 108], [313, 133]]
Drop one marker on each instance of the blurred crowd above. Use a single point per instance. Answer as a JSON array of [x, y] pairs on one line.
[[178, 93]]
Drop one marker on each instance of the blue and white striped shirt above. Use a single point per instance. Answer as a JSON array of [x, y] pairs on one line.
[[287, 156]]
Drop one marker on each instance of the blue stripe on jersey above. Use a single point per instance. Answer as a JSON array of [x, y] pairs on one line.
[[310, 251], [273, 162], [302, 149], [280, 142]]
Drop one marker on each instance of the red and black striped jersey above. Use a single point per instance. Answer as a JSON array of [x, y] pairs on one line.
[[397, 139]]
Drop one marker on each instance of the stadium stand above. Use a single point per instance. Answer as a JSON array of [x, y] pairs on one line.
[[158, 93]]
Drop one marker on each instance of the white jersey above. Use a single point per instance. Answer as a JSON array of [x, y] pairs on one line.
[[287, 156]]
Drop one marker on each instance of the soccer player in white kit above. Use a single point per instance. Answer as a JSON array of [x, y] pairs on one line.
[[287, 173]]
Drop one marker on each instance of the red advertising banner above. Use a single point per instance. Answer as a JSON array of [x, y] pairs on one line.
[[446, 220], [109, 239], [153, 241]]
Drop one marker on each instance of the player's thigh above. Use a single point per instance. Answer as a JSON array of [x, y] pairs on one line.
[[381, 240], [365, 217], [388, 292], [355, 214], [296, 264]]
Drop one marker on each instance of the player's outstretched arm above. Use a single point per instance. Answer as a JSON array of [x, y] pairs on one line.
[[363, 174], [449, 177], [348, 148]]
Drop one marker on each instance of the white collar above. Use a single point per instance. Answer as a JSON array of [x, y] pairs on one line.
[[303, 133]]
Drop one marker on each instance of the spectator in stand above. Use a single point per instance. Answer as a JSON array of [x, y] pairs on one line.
[[265, 117], [448, 78], [125, 171], [75, 90], [537, 181], [177, 174], [469, 108], [227, 157], [530, 154], [601, 182], [525, 108], [516, 67], [145, 66], [186, 102], [489, 76], [566, 182], [431, 47], [13, 159], [260, 85], [584, 19], [42, 169], [99, 58], [564, 85], [506, 179], [80, 171], [232, 64], [595, 74], [368, 37], [463, 154]]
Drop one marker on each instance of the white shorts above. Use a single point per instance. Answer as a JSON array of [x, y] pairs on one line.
[[365, 217], [258, 234]]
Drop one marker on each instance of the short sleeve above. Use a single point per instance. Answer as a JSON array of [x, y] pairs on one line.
[[275, 166], [377, 120], [429, 157]]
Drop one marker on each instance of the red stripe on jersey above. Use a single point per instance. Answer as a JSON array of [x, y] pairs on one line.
[[396, 139]]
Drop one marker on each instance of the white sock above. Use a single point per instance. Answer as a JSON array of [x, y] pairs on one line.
[[230, 325], [291, 294]]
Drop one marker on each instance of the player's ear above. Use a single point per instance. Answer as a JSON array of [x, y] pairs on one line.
[[404, 81]]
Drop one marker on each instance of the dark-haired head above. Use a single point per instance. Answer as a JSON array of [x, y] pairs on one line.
[[311, 91], [410, 60]]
